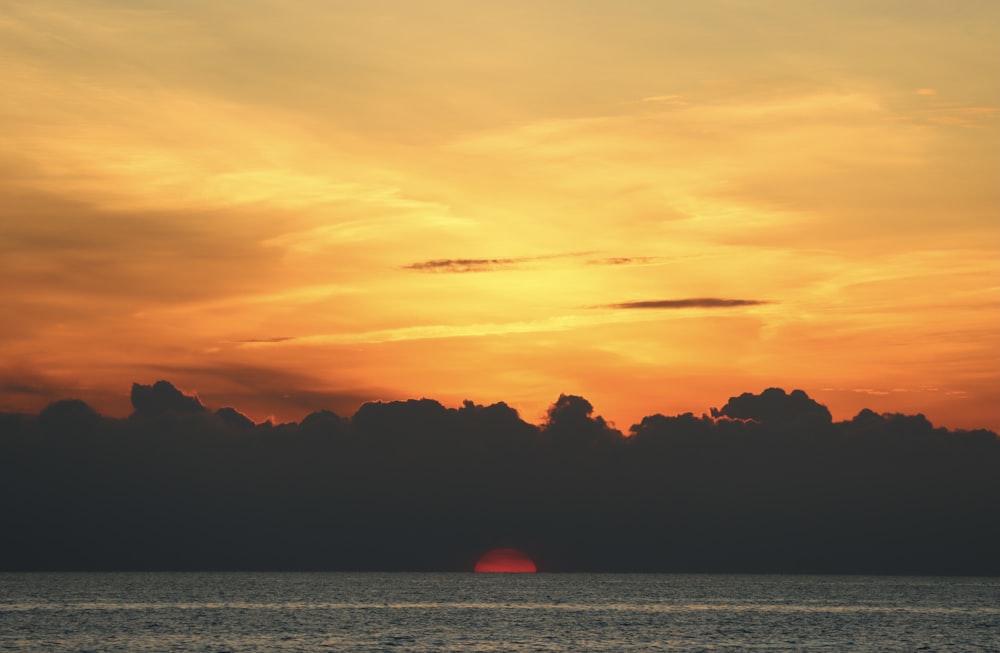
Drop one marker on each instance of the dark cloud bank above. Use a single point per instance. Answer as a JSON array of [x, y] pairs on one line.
[[767, 483]]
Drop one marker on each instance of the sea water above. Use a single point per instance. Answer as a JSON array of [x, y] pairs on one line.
[[243, 612]]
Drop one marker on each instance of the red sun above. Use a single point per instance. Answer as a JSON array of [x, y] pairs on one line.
[[510, 561]]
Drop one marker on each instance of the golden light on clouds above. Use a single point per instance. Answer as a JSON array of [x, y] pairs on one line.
[[294, 206]]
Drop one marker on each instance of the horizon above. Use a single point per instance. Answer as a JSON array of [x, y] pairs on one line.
[[170, 399]]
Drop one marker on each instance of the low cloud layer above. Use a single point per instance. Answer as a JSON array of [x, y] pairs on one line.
[[766, 483]]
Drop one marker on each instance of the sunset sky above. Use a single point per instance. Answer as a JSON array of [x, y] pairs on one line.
[[291, 205]]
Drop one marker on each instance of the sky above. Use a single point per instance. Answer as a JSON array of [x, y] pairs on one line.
[[286, 206]]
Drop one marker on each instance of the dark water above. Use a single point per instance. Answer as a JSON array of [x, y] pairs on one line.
[[469, 612]]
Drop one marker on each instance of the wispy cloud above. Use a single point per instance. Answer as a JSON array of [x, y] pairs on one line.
[[664, 99], [550, 324], [437, 331], [274, 339], [625, 260], [466, 264], [695, 302], [459, 265]]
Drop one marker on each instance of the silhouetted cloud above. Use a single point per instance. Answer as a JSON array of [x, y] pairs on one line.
[[234, 418], [695, 302], [570, 424], [767, 483], [69, 417], [776, 408], [271, 390], [162, 397]]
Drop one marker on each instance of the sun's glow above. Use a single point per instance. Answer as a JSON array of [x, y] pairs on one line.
[[195, 194], [508, 561]]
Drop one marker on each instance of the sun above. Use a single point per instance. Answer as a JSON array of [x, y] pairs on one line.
[[509, 561]]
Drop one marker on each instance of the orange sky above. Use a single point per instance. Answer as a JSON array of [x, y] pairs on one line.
[[284, 206]]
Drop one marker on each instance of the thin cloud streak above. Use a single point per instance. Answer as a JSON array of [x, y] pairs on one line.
[[459, 265], [274, 339], [440, 331], [696, 302], [626, 260], [433, 332], [462, 265]]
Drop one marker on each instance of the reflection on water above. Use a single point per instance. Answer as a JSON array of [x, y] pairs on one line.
[[469, 612]]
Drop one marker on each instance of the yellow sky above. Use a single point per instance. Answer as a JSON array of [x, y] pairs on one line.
[[284, 206]]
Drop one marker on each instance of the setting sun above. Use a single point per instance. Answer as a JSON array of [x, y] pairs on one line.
[[508, 561]]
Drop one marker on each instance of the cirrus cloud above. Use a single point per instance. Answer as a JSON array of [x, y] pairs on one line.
[[694, 302]]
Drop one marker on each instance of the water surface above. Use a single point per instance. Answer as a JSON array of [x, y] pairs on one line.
[[256, 612]]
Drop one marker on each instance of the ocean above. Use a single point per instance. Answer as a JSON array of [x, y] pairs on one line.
[[257, 612]]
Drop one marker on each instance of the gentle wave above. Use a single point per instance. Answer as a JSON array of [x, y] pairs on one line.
[[451, 605], [553, 613]]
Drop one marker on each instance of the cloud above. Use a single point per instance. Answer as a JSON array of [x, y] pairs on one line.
[[571, 425], [626, 260], [459, 265], [473, 330], [465, 264], [696, 302], [163, 398], [16, 388], [266, 340], [777, 408], [666, 99], [271, 392], [961, 116]]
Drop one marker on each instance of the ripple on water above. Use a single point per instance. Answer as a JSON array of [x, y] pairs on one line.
[[245, 613]]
